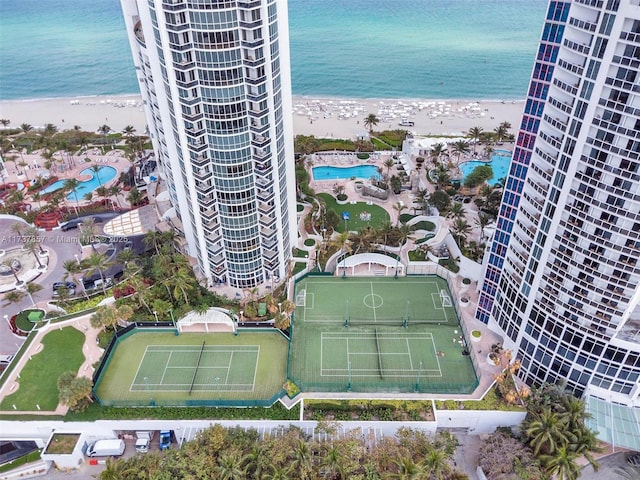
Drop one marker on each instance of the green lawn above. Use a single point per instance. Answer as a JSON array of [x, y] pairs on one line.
[[378, 214], [23, 321], [62, 352]]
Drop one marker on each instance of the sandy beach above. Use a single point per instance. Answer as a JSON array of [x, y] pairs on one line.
[[321, 117]]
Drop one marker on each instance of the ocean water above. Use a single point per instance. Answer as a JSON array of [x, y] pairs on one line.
[[475, 49]]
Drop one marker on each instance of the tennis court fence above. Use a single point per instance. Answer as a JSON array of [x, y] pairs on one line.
[[124, 333]]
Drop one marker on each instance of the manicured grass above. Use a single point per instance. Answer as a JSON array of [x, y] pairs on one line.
[[298, 267], [38, 381], [23, 322], [417, 256], [309, 242], [424, 225], [378, 214]]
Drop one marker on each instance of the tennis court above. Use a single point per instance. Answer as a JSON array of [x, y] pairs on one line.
[[210, 368], [374, 301], [378, 335], [152, 367]]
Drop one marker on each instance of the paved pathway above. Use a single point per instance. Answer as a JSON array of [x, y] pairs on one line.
[[90, 349]]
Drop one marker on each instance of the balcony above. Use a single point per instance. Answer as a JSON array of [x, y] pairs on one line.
[[583, 24], [582, 48], [259, 141], [139, 34], [265, 195], [199, 160], [570, 67], [571, 89], [563, 106]]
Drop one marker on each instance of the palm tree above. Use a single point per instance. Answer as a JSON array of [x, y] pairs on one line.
[[32, 247], [399, 207], [457, 210], [547, 432], [437, 150], [302, 460], [135, 197], [502, 131], [407, 470], [115, 469], [128, 131], [73, 268], [561, 465], [26, 128], [257, 460], [371, 121], [115, 191], [17, 229], [104, 129], [71, 184], [435, 464], [50, 129], [343, 242], [152, 238], [278, 472], [388, 163], [96, 169], [30, 289], [4, 122], [482, 222], [475, 133], [460, 230], [230, 467], [332, 462], [97, 262], [14, 296], [460, 147]]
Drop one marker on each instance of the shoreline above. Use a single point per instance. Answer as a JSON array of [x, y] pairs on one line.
[[321, 116]]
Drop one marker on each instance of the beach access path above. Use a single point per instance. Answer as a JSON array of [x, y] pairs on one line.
[[321, 117]]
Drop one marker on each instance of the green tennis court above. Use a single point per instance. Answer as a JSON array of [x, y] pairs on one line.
[[374, 301], [378, 335], [210, 368], [157, 367]]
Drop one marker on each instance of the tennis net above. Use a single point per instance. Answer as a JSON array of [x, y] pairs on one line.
[[195, 371], [379, 354]]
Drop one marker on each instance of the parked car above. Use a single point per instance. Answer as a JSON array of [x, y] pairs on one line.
[[70, 286]]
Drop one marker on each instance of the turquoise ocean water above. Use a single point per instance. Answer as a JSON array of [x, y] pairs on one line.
[[472, 49]]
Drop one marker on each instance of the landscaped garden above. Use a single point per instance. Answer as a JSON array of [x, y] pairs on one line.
[[360, 214], [61, 352], [27, 319]]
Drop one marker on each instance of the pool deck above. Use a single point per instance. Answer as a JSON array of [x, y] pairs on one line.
[[70, 168]]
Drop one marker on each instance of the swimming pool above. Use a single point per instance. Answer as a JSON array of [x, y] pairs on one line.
[[337, 173], [105, 174], [500, 162]]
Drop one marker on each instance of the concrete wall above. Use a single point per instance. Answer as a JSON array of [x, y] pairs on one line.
[[478, 421]]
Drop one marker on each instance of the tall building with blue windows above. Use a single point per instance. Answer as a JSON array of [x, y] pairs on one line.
[[215, 81], [562, 277]]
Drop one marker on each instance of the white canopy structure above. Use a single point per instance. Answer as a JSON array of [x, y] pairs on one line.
[[376, 263]]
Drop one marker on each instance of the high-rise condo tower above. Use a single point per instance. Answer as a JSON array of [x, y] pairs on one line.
[[562, 277], [215, 81]]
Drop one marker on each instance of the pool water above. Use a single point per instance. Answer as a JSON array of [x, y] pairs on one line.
[[337, 173], [500, 162], [105, 174]]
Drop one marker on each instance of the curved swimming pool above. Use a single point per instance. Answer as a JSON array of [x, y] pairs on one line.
[[500, 162], [338, 173], [105, 174]]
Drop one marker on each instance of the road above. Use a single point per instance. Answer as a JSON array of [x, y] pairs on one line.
[[62, 246]]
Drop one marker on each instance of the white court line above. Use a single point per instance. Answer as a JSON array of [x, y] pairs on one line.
[[255, 369], [375, 318], [138, 370], [409, 352], [437, 359], [226, 378], [166, 365]]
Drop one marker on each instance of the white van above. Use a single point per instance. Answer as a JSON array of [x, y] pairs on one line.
[[106, 448]]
